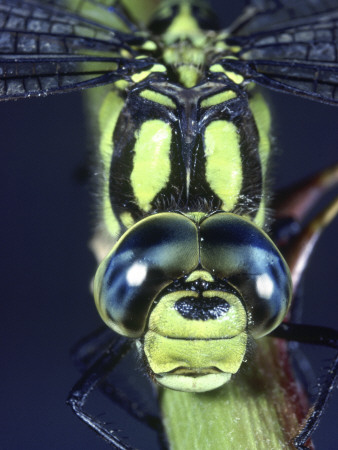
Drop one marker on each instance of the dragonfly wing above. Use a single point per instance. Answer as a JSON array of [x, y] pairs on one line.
[[262, 15], [106, 12], [297, 54], [45, 49]]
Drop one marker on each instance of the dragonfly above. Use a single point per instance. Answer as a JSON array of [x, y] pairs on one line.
[[232, 65]]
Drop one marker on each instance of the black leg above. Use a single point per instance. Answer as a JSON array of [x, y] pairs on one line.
[[96, 355], [308, 334], [86, 351], [78, 396], [131, 407], [313, 418], [318, 336]]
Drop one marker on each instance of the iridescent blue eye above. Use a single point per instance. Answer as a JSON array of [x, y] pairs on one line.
[[165, 247], [235, 249], [146, 259]]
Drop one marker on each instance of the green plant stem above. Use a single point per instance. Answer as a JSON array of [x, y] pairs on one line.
[[260, 408]]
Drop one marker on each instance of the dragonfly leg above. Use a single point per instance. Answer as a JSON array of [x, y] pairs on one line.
[[88, 349], [313, 418], [94, 374], [316, 335], [79, 394]]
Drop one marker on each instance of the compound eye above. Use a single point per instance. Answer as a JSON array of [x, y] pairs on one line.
[[147, 258], [236, 250]]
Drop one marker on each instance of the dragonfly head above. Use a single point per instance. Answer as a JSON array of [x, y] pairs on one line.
[[192, 290]]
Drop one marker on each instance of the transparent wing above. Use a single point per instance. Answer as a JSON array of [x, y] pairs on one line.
[[298, 55], [106, 12], [261, 15], [45, 49]]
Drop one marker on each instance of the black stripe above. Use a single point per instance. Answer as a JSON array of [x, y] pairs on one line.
[[250, 196]]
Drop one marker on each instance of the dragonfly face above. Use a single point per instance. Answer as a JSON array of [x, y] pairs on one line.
[[193, 284]]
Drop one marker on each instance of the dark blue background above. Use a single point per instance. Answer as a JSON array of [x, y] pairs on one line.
[[46, 222]]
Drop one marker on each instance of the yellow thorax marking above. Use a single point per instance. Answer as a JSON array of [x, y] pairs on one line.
[[140, 76], [218, 98], [127, 219], [158, 98], [109, 114], [151, 168], [236, 78], [262, 116], [223, 161]]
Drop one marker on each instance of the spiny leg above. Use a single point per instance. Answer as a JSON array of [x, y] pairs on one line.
[[84, 353], [297, 245], [79, 394], [88, 349], [318, 408], [316, 335]]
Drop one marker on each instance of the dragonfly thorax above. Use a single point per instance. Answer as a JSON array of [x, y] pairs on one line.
[[168, 147]]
